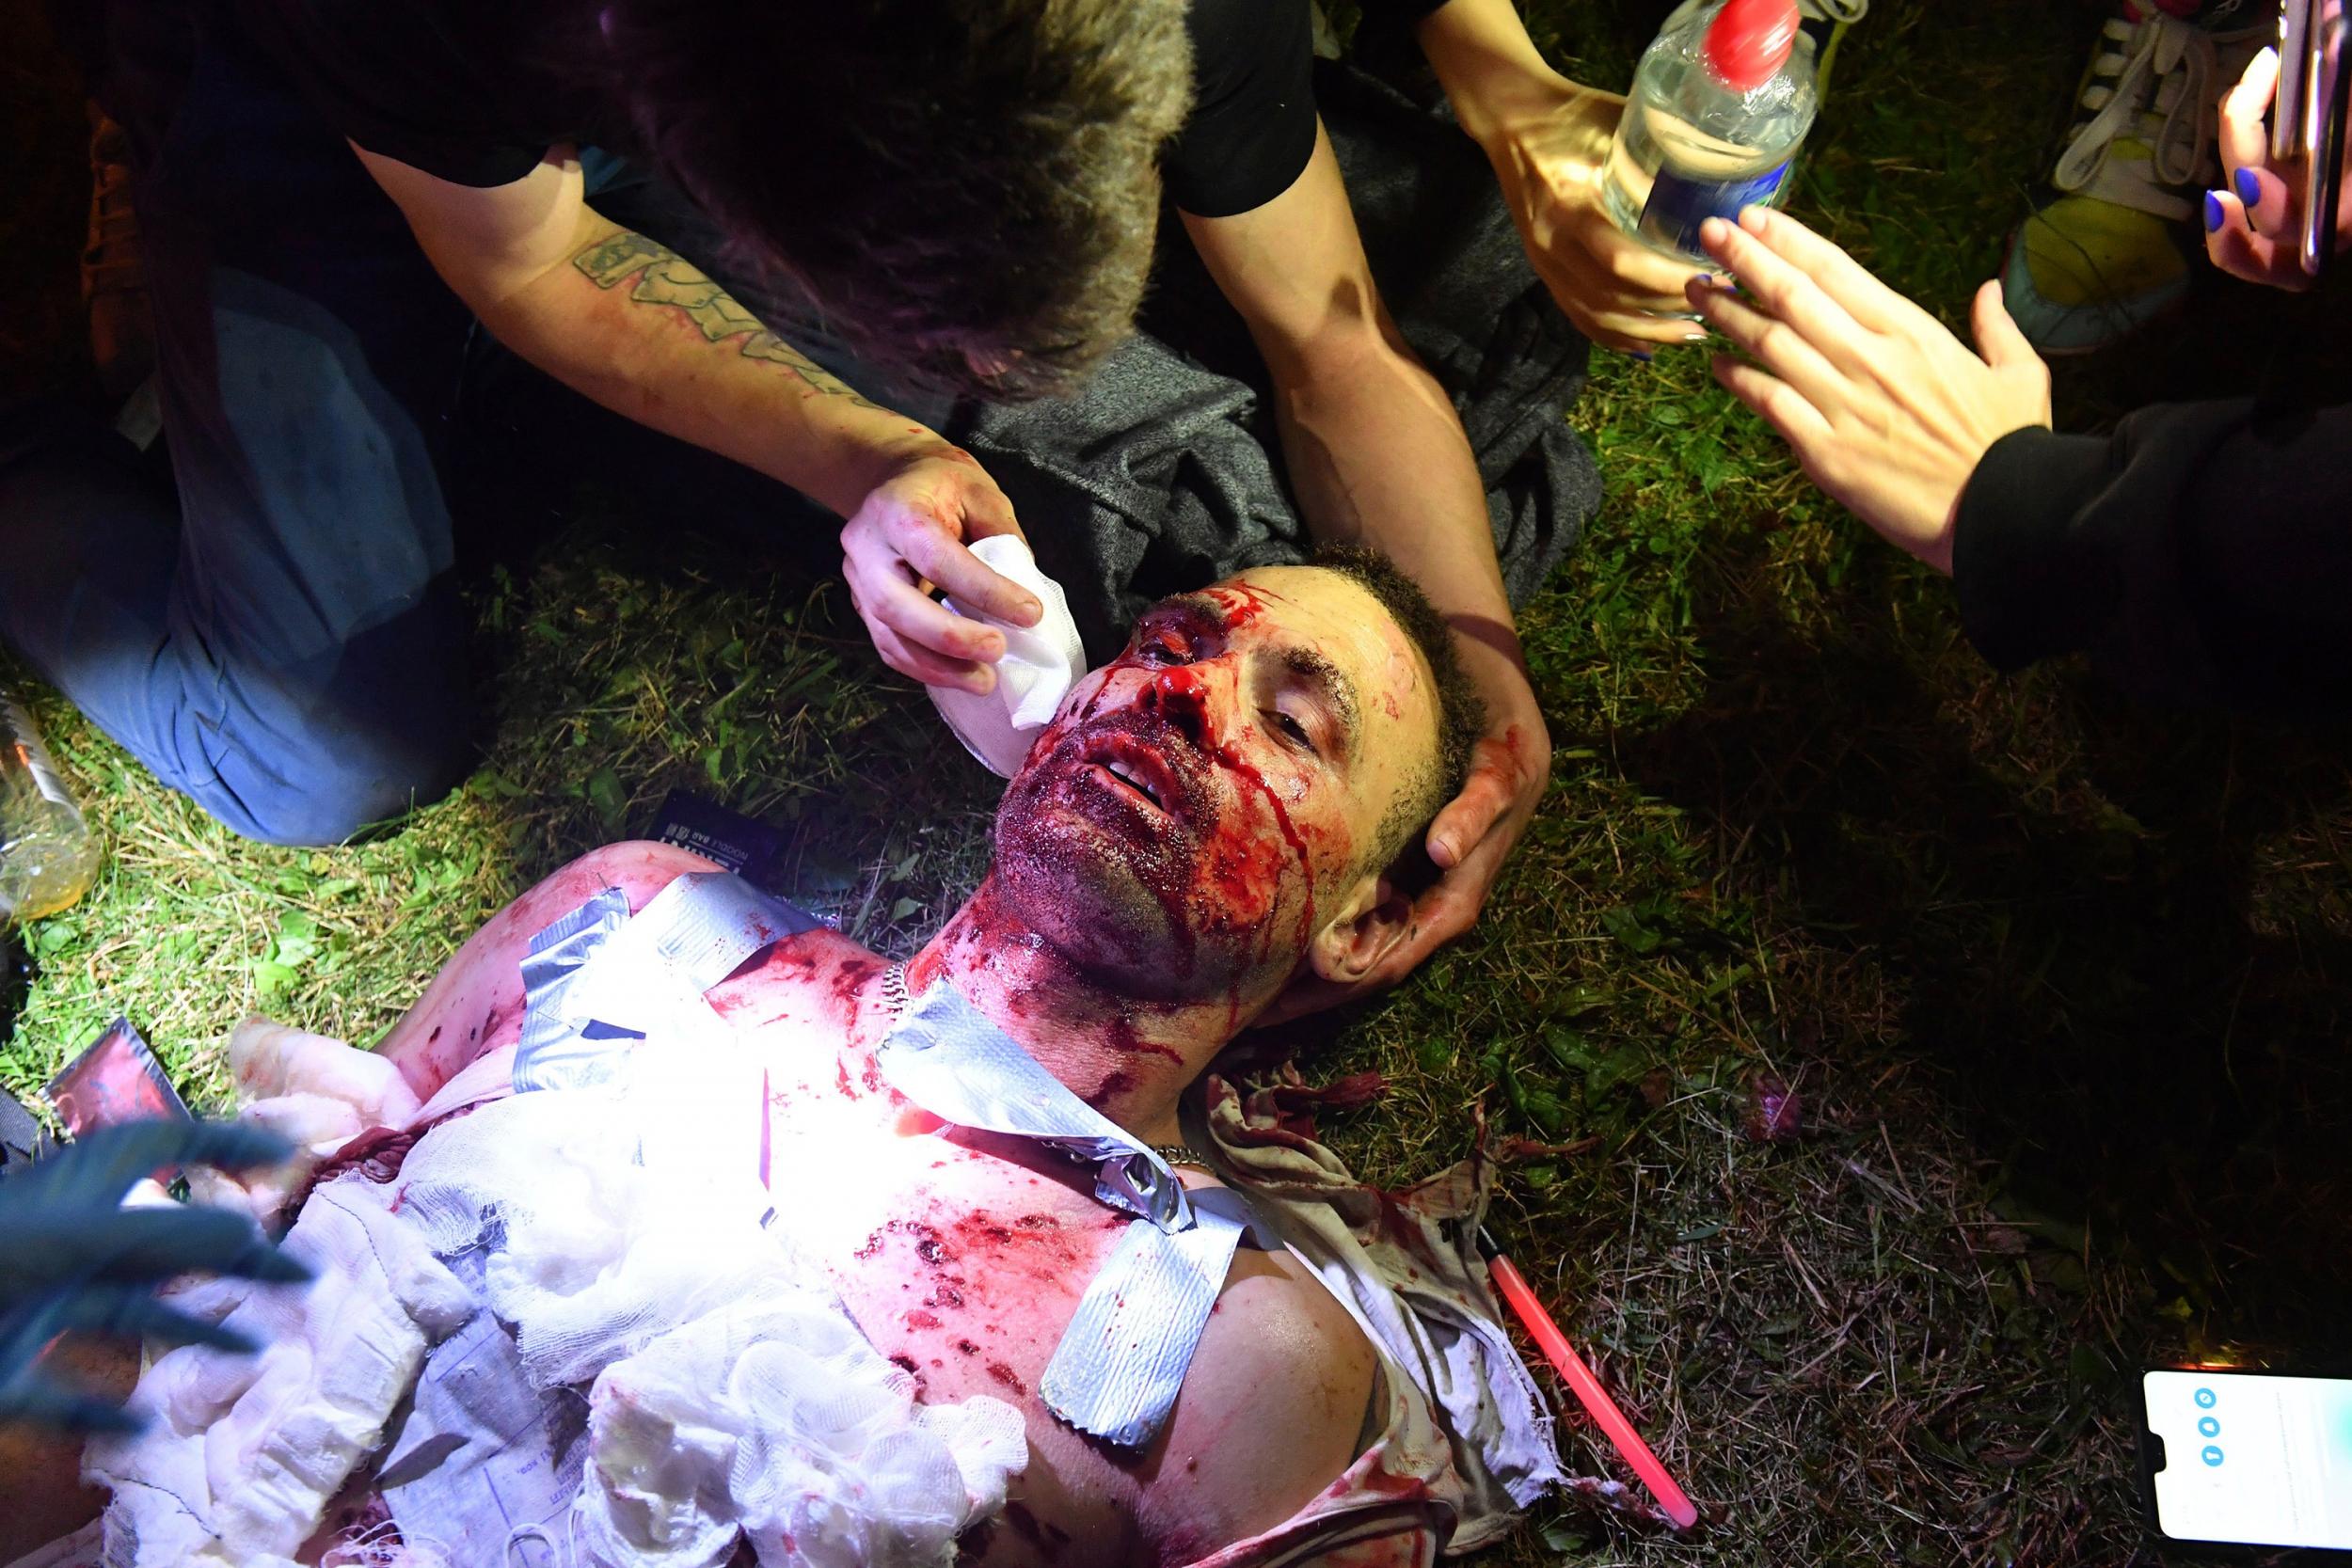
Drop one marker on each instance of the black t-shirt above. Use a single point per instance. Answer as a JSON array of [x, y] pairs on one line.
[[465, 90], [1252, 126]]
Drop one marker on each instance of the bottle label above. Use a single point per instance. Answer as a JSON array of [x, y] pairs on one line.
[[20, 737], [46, 781], [1677, 205]]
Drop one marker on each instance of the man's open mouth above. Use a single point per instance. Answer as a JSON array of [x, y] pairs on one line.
[[1134, 772], [1119, 771]]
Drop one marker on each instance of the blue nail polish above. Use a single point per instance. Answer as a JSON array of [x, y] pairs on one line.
[[2213, 211], [1705, 281], [1645, 358], [2250, 189]]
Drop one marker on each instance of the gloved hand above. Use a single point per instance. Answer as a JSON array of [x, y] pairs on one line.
[[72, 1258]]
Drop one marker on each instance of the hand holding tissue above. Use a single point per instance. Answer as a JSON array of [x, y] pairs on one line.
[[1039, 665]]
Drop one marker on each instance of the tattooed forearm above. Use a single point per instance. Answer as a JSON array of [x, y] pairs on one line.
[[666, 278]]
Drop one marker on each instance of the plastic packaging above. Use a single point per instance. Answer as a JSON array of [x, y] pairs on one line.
[[48, 855], [1721, 102]]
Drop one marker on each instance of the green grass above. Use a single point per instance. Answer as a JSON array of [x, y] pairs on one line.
[[2059, 982]]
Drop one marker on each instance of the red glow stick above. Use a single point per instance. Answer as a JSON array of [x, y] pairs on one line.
[[1588, 1388]]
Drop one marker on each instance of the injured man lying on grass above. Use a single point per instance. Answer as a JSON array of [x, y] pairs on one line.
[[669, 1227]]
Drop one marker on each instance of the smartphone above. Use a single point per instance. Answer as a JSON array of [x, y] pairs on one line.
[[2247, 1459], [2322, 111], [2286, 106]]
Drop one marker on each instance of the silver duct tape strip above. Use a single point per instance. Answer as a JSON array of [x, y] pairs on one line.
[[551, 1055], [1123, 1357], [597, 979], [946, 1056], [706, 922]]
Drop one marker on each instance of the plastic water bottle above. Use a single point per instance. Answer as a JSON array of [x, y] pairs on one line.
[[1721, 102], [48, 855]]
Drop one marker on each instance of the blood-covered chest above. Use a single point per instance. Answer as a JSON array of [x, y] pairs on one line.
[[963, 1267], [965, 1254]]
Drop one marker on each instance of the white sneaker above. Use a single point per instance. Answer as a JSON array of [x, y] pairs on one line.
[[2107, 255]]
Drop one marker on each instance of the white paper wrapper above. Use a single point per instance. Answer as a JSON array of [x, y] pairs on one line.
[[1039, 665]]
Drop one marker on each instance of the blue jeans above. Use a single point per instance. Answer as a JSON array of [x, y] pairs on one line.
[[277, 633]]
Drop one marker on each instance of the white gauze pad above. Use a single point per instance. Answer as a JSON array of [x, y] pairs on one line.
[[1039, 665]]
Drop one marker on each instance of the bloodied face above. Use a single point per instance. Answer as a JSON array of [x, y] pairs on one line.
[[1206, 801]]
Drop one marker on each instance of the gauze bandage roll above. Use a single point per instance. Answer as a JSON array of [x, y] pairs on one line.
[[1039, 665]]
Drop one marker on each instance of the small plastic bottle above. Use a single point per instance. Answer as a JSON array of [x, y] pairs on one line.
[[1721, 102], [48, 855]]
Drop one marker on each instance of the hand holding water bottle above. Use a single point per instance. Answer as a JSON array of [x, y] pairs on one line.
[[1721, 102], [1619, 293], [1608, 193], [1548, 139]]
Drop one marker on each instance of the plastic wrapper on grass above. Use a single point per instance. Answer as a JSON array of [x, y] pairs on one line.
[[1775, 1111]]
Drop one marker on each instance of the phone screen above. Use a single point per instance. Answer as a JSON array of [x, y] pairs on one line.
[[2266, 1461]]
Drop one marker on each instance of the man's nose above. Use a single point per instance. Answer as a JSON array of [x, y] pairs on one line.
[[1179, 694]]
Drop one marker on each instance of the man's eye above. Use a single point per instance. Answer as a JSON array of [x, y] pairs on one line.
[[1290, 729], [1164, 650]]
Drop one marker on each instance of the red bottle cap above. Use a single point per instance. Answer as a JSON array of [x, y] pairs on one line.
[[1750, 39]]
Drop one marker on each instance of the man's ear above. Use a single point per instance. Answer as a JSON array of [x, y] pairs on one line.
[[1376, 915]]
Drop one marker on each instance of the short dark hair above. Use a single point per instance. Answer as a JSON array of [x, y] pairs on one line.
[[1461, 715], [963, 191]]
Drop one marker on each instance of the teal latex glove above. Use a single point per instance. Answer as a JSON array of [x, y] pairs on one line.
[[71, 1258]]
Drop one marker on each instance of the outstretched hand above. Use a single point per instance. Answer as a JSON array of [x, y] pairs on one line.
[[78, 1260], [1886, 410], [912, 535]]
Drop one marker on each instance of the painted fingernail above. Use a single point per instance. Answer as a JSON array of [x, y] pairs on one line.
[[2249, 190], [1705, 280], [1645, 358], [2213, 211]]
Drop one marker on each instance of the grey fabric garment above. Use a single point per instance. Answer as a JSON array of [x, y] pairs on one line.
[[1164, 472]]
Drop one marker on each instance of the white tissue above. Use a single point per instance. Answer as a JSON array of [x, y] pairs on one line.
[[1039, 665]]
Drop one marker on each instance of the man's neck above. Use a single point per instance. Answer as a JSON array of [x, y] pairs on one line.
[[1129, 1059]]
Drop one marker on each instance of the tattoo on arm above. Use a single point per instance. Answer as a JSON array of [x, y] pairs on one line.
[[666, 278]]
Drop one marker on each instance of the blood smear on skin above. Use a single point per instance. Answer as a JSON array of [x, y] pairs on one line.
[[1242, 603]]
